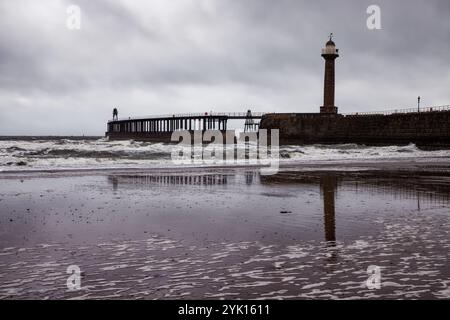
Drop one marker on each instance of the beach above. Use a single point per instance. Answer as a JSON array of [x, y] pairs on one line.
[[309, 232], [194, 151]]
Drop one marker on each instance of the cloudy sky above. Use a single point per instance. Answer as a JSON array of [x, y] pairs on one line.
[[159, 56]]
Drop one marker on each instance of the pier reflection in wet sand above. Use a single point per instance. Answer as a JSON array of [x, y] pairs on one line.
[[328, 186], [413, 190], [226, 233]]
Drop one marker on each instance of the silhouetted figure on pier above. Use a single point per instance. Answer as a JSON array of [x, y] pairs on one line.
[[115, 114]]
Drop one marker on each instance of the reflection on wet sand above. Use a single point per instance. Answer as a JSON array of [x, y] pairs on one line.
[[328, 186], [427, 190], [167, 180], [226, 234], [424, 190]]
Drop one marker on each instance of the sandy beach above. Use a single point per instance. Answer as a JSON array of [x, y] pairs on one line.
[[306, 232], [194, 151]]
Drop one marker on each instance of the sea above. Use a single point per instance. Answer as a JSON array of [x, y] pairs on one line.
[[97, 153]]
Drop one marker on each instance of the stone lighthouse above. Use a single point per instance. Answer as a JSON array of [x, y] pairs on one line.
[[329, 53]]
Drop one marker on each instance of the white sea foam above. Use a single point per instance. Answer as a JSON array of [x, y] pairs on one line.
[[100, 154]]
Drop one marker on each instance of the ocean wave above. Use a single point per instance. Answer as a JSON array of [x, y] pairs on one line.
[[66, 153]]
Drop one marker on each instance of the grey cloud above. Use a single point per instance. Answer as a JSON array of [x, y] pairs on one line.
[[192, 55]]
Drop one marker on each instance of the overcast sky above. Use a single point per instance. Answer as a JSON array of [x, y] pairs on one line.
[[159, 56]]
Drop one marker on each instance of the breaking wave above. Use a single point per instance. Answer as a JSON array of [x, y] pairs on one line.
[[54, 154]]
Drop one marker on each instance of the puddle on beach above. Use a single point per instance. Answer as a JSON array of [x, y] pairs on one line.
[[225, 234]]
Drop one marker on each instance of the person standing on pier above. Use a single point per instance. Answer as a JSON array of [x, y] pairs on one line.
[[115, 114]]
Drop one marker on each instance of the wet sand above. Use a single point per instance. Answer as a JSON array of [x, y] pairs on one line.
[[307, 232]]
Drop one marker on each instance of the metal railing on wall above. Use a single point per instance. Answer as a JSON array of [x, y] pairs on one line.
[[401, 111]]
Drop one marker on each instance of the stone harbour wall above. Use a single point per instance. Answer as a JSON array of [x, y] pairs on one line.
[[425, 128]]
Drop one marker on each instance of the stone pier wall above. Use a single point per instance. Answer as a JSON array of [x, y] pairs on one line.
[[426, 128]]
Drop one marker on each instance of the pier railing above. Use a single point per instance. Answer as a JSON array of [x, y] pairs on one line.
[[230, 115], [401, 111], [244, 115]]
